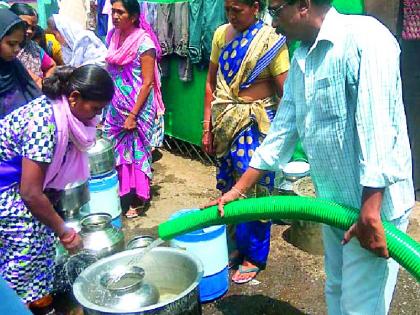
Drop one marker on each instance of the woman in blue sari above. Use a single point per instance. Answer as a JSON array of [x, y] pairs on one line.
[[248, 66]]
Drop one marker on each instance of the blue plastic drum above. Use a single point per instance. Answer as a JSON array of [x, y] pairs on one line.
[[210, 245], [104, 197]]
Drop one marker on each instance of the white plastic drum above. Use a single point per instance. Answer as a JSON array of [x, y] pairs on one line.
[[104, 196]]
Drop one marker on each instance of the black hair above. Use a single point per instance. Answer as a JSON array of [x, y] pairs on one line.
[[91, 81], [39, 37], [262, 3], [132, 7], [22, 9], [18, 26]]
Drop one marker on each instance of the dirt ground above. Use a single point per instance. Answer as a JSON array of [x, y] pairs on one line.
[[293, 280]]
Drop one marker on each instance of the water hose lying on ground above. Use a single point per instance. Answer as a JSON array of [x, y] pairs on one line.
[[401, 247]]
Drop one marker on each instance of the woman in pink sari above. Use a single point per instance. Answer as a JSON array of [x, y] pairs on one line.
[[132, 54]]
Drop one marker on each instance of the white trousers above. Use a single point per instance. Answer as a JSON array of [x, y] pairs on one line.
[[358, 282]]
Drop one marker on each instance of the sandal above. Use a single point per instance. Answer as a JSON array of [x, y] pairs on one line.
[[244, 270], [132, 213]]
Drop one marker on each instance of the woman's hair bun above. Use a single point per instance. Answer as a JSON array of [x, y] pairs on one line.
[[91, 81], [57, 84]]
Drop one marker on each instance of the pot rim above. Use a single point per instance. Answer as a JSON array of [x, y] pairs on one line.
[[88, 226], [87, 304], [136, 238]]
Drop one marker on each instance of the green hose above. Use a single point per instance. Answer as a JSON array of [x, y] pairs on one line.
[[402, 248]]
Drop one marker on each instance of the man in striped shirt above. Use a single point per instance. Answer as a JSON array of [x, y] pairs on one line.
[[343, 99]]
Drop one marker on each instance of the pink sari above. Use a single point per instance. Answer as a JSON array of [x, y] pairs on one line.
[[132, 148]]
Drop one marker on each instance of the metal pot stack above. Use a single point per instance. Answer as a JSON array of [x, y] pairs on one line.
[[103, 184], [69, 205], [91, 207]]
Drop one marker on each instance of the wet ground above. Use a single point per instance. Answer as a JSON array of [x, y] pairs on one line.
[[293, 280]]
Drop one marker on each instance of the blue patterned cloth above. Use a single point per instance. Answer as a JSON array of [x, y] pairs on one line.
[[252, 238], [234, 164], [27, 248], [233, 54]]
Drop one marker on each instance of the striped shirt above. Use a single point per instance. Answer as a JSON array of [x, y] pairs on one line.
[[343, 99]]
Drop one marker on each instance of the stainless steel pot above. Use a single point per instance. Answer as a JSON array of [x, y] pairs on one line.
[[175, 273], [99, 236], [72, 198], [141, 241], [101, 156], [128, 282]]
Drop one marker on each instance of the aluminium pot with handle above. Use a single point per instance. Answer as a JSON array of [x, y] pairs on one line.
[[101, 156], [100, 237]]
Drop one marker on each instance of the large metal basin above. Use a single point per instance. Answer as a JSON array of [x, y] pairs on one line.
[[175, 273]]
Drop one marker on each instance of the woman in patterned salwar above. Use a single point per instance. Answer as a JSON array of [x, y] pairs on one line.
[[249, 63], [42, 149], [132, 54]]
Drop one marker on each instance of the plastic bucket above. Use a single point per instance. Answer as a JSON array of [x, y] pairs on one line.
[[104, 196], [210, 245], [117, 222]]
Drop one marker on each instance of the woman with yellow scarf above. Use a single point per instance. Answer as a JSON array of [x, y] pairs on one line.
[[248, 66]]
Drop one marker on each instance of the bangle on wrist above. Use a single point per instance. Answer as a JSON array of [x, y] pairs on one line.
[[206, 130], [205, 121], [69, 237], [239, 192], [132, 114]]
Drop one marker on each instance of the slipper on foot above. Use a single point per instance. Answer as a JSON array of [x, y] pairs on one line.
[[244, 270], [132, 213]]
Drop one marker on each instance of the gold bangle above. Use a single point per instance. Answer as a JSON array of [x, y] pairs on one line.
[[206, 130], [131, 113], [239, 192], [205, 121]]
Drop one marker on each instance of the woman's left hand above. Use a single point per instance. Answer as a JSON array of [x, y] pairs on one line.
[[130, 123]]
